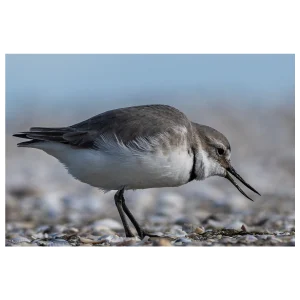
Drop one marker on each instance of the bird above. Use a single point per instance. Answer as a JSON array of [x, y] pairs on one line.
[[137, 147]]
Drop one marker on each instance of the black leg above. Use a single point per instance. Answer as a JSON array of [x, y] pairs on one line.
[[142, 233], [132, 219], [119, 202]]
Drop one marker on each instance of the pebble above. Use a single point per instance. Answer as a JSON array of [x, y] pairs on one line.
[[162, 242], [71, 230], [210, 240], [43, 229], [38, 235], [184, 240], [54, 235], [18, 240], [264, 236], [199, 230], [228, 240], [250, 238], [107, 223], [275, 239], [206, 243], [144, 242], [89, 241], [237, 225], [60, 242], [177, 231], [108, 237], [177, 243]]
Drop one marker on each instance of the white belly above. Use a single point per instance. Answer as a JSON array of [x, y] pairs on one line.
[[112, 171]]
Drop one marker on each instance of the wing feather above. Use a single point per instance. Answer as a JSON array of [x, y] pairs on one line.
[[128, 127]]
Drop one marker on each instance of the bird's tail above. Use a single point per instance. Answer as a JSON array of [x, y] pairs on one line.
[[41, 134]]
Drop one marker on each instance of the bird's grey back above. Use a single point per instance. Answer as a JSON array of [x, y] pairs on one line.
[[137, 121], [125, 124]]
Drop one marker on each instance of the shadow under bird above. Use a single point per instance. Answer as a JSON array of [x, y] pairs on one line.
[[137, 147]]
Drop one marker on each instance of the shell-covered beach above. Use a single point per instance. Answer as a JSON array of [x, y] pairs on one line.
[[45, 206]]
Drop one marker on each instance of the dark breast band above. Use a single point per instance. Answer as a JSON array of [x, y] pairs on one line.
[[193, 175]]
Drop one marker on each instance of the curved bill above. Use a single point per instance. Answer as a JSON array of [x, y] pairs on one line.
[[234, 173]]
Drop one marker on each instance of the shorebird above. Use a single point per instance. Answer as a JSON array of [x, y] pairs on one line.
[[137, 147]]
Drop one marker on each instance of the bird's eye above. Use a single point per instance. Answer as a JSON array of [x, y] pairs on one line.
[[220, 151]]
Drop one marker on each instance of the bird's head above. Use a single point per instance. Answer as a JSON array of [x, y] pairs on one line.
[[213, 157]]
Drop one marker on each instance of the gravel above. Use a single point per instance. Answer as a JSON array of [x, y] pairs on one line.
[[45, 206]]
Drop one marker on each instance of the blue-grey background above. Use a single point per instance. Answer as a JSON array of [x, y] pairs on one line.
[[59, 81], [249, 98]]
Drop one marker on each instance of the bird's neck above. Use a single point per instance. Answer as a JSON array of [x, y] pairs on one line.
[[204, 165]]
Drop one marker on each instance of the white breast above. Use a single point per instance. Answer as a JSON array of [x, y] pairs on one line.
[[138, 166]]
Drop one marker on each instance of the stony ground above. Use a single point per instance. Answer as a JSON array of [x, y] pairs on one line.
[[24, 234], [201, 228], [47, 207]]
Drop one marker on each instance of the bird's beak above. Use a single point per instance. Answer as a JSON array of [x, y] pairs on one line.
[[232, 171]]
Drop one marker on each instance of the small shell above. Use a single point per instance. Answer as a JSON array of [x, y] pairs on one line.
[[162, 242], [199, 230], [90, 241]]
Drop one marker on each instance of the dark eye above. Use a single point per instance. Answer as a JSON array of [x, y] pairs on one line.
[[220, 151]]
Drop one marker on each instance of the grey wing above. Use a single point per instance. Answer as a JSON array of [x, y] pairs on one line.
[[126, 124]]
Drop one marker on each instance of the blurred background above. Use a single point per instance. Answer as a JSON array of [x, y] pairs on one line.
[[249, 98]]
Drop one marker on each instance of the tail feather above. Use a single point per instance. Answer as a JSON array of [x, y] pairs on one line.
[[66, 135], [28, 143], [51, 129], [38, 134], [45, 136], [21, 135]]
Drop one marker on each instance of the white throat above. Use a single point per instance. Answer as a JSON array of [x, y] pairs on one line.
[[209, 167]]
